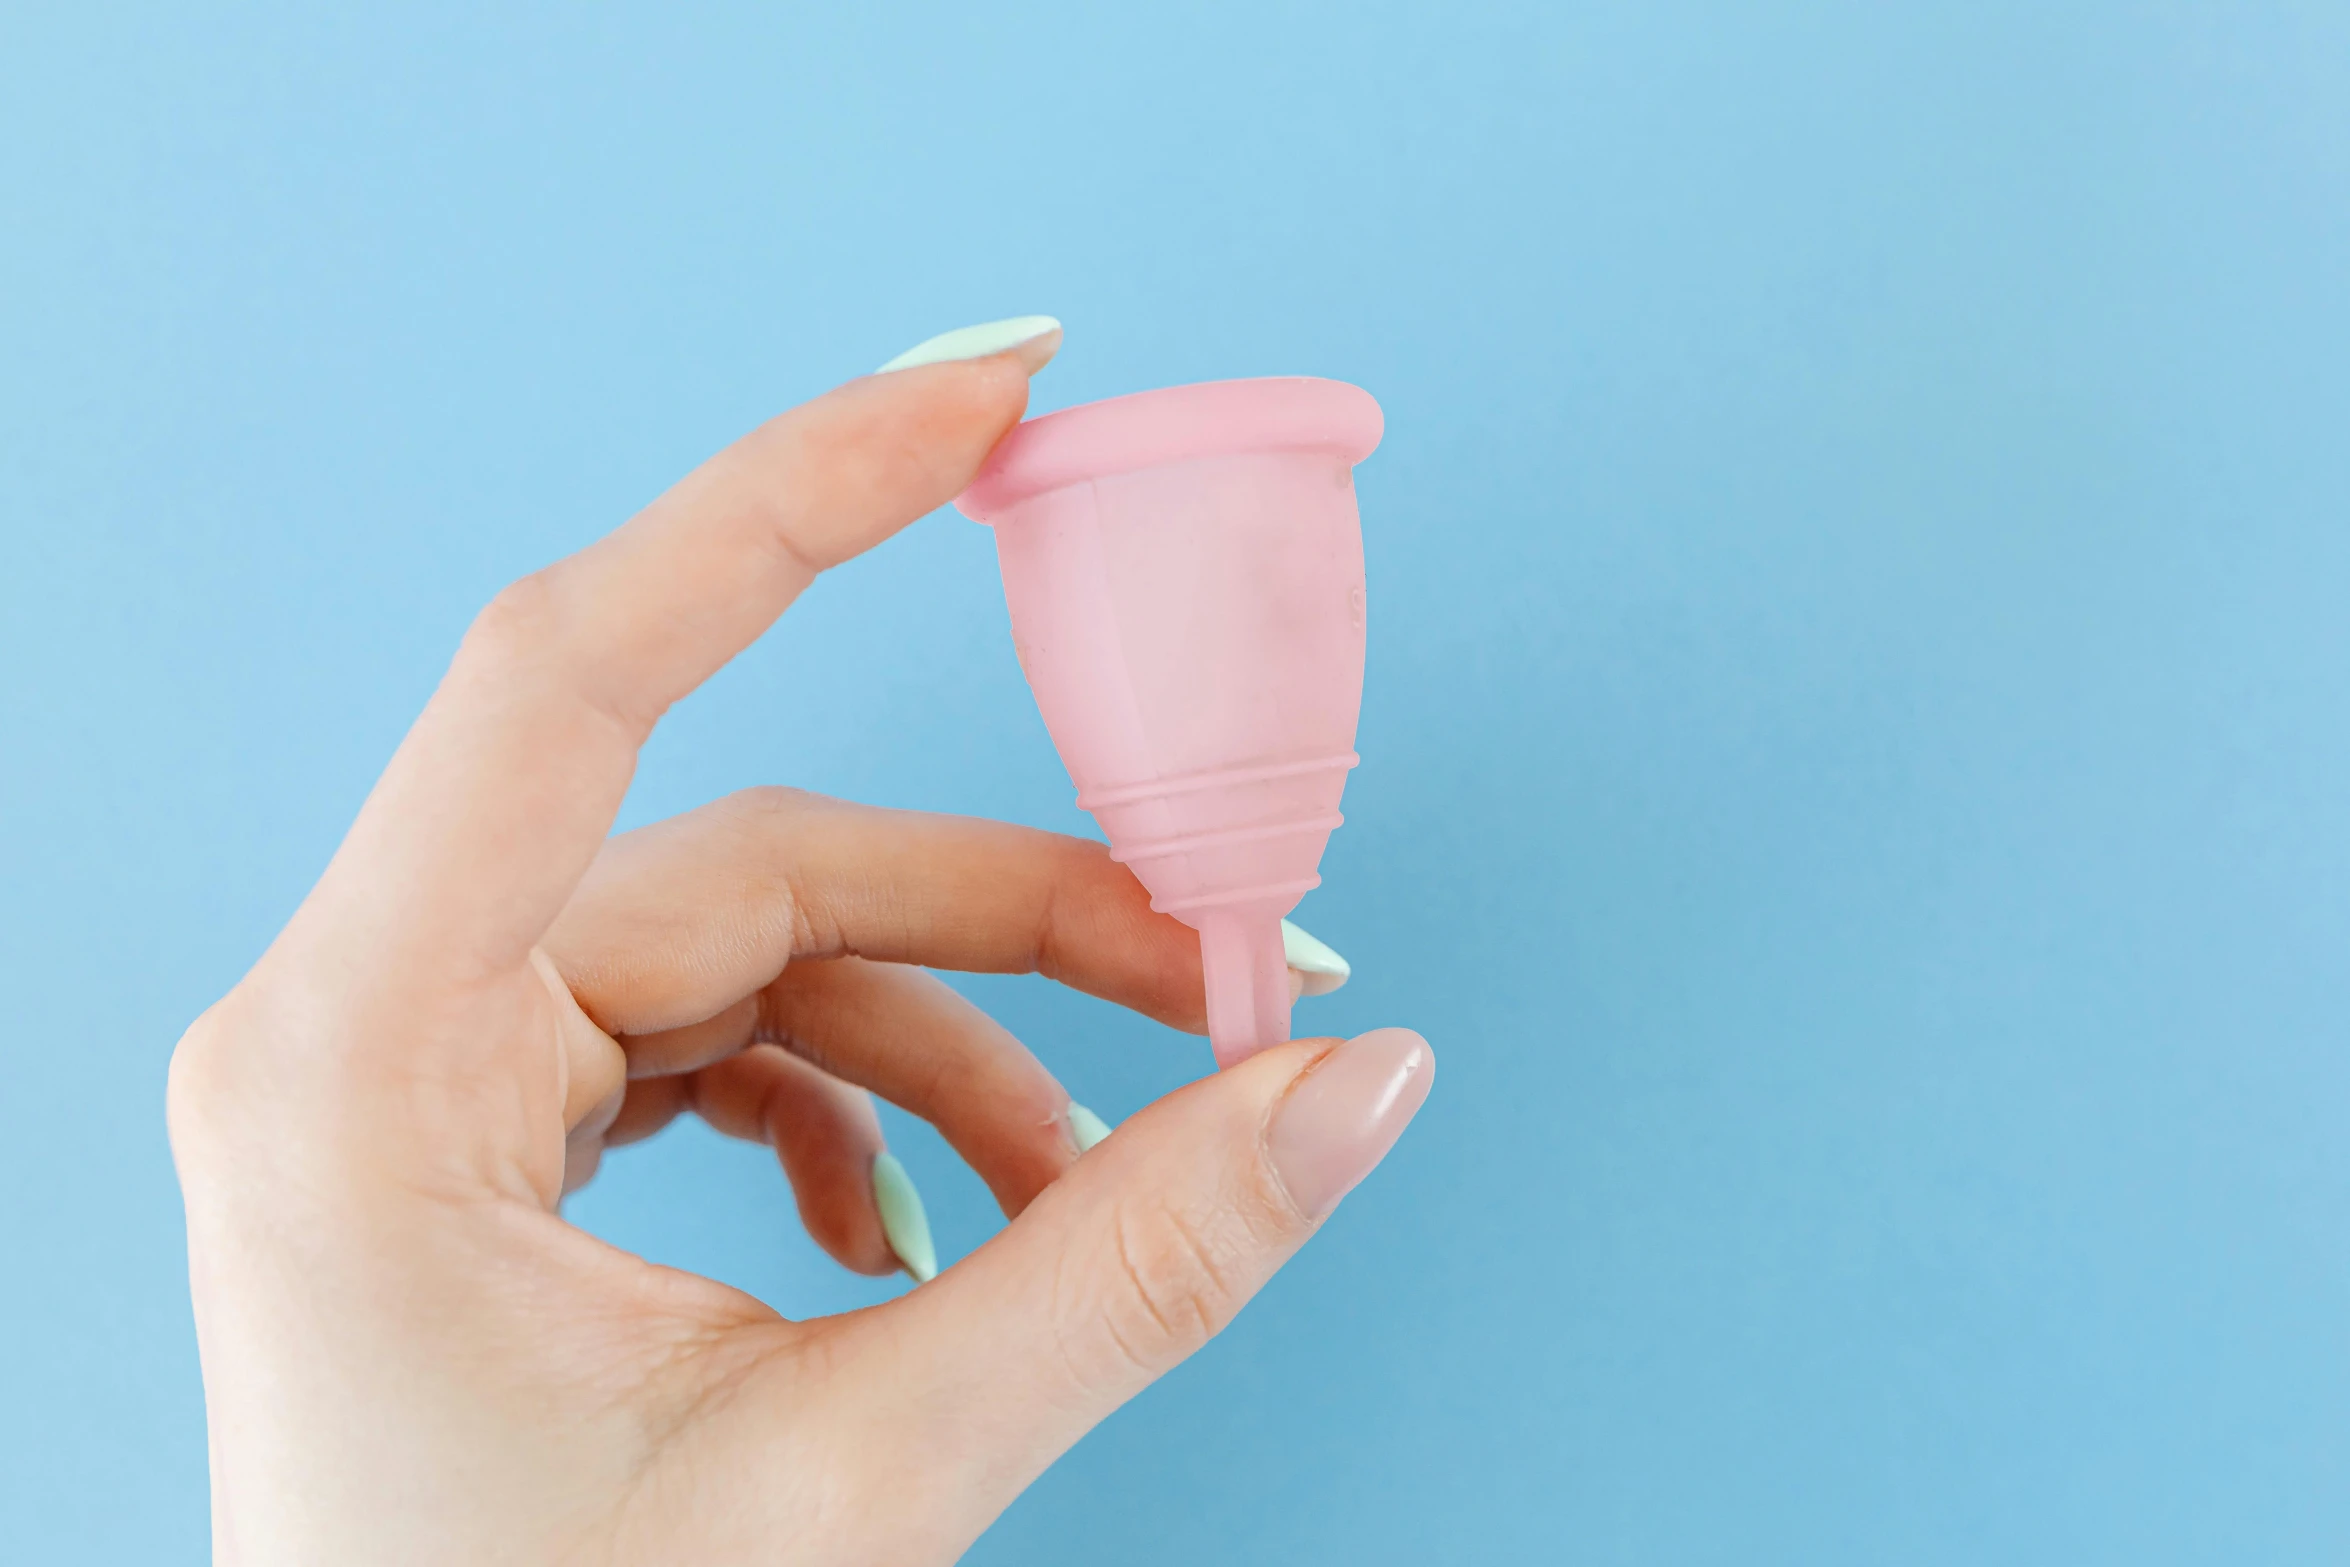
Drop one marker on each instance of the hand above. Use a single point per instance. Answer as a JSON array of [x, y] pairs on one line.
[[410, 1357]]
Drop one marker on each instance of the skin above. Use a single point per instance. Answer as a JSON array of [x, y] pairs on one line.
[[410, 1356]]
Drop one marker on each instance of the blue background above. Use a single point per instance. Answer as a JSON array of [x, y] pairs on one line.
[[1854, 761]]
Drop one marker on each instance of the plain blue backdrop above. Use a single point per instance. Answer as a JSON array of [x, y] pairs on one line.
[[1855, 752]]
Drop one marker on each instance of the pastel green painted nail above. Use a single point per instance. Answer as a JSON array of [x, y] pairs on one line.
[[1040, 334], [1322, 969], [1086, 1127], [902, 1219]]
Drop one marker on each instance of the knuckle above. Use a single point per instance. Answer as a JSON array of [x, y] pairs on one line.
[[770, 823], [214, 1092], [193, 1091], [763, 804], [514, 625], [244, 1093], [1173, 1287]]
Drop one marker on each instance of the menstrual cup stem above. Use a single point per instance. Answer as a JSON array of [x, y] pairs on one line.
[[1248, 982]]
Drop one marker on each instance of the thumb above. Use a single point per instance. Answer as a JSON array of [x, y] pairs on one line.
[[1142, 1252]]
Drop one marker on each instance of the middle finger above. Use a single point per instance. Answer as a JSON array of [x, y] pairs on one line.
[[903, 1034], [682, 919]]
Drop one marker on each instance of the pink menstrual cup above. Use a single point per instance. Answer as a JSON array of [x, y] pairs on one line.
[[1185, 574]]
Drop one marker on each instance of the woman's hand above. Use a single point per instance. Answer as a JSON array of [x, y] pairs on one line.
[[410, 1357]]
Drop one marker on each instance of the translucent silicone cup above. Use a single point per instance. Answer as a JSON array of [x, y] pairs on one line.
[[1184, 570]]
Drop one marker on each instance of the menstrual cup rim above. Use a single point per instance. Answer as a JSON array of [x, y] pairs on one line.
[[1284, 413]]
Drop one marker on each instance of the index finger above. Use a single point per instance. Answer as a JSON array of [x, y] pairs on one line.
[[502, 793]]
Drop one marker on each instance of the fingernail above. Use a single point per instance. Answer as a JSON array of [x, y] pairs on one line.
[[1339, 1122], [1320, 969], [903, 1222], [1036, 338], [1086, 1128]]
